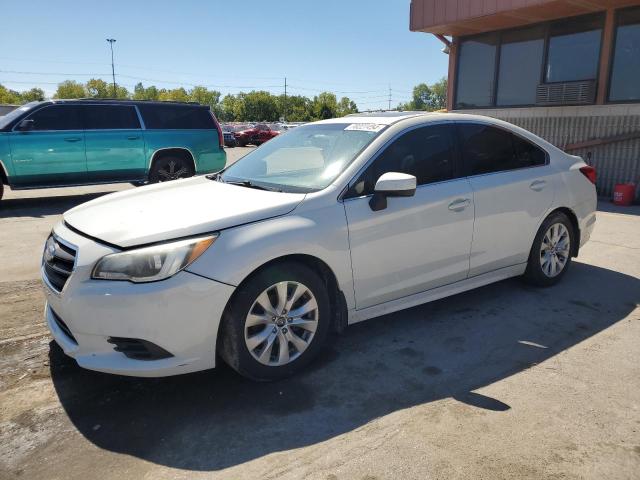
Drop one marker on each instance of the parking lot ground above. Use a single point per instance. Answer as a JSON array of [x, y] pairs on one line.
[[507, 381]]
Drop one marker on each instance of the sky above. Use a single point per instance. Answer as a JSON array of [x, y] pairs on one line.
[[355, 48]]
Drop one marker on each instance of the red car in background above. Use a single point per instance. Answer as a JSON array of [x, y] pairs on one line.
[[257, 135]]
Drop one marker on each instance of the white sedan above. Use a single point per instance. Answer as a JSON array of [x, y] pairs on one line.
[[333, 223]]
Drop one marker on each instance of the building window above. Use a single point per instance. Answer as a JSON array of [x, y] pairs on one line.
[[476, 71], [625, 72], [518, 79], [505, 68], [574, 49]]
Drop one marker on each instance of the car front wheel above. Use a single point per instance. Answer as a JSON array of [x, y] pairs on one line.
[[550, 255], [276, 323]]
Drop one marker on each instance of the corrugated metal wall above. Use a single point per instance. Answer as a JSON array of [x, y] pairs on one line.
[[617, 162]]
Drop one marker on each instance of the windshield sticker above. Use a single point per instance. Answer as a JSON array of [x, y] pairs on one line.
[[365, 127]]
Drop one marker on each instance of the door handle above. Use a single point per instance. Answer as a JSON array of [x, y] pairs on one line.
[[538, 185], [459, 204], [133, 137], [72, 139]]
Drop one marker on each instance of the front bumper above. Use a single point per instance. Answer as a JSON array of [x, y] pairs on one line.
[[180, 315]]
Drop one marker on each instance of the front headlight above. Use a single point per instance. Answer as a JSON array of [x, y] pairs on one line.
[[150, 264]]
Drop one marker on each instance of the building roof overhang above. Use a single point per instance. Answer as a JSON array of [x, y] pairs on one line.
[[467, 17]]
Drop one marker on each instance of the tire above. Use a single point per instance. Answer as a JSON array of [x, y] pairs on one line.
[[251, 337], [546, 268], [170, 167], [138, 184], [1, 189]]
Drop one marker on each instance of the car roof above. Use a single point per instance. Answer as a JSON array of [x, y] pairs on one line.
[[110, 101], [390, 118]]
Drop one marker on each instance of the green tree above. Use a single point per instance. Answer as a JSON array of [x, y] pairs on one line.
[[176, 94], [346, 106], [9, 96], [325, 106], [33, 95], [70, 89], [204, 96], [296, 109], [98, 88], [428, 97], [232, 109], [259, 106]]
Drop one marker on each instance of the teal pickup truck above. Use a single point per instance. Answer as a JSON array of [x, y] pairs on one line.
[[81, 142]]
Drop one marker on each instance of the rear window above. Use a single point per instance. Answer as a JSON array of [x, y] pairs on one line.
[[103, 117], [176, 117]]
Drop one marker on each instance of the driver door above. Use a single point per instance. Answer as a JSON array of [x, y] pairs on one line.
[[416, 243]]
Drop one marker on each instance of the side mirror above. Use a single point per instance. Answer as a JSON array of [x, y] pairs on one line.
[[392, 184], [26, 124]]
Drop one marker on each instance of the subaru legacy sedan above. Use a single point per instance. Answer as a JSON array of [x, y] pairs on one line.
[[79, 142], [333, 223]]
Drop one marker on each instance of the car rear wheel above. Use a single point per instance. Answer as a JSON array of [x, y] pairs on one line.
[[276, 323], [550, 255], [170, 168]]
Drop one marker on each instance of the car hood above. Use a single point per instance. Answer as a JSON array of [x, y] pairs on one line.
[[176, 209]]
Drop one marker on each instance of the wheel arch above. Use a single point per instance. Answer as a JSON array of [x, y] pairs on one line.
[[336, 296], [178, 151], [574, 223]]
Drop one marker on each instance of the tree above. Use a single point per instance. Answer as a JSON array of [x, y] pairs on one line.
[[296, 109], [33, 95], [346, 106], [260, 106], [325, 106], [70, 89], [177, 95], [427, 97], [98, 88], [204, 96], [9, 96]]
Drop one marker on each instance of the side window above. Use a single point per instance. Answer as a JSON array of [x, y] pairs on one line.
[[57, 117], [528, 154], [486, 149], [183, 117], [425, 152], [103, 117]]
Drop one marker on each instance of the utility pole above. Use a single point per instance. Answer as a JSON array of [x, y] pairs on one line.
[[284, 112], [389, 96], [113, 70]]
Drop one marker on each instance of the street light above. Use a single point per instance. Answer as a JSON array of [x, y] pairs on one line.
[[113, 71]]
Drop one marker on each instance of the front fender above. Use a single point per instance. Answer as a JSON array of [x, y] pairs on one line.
[[6, 165], [320, 233]]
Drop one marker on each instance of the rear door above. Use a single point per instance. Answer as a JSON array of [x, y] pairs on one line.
[[52, 151], [513, 186], [114, 143], [419, 242]]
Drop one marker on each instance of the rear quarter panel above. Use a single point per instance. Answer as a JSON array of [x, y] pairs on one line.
[[203, 145]]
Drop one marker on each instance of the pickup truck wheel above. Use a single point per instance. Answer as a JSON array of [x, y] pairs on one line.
[[170, 168], [276, 323]]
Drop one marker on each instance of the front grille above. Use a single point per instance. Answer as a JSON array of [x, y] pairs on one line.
[[58, 261], [63, 326], [138, 349]]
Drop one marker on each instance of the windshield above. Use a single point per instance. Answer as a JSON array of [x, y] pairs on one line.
[[306, 159], [13, 114]]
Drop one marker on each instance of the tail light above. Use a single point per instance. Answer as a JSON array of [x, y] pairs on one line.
[[589, 172], [219, 129]]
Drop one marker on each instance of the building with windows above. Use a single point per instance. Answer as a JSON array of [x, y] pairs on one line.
[[567, 70]]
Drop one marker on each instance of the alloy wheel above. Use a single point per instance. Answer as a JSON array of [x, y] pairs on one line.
[[555, 250], [281, 323], [171, 172]]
